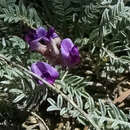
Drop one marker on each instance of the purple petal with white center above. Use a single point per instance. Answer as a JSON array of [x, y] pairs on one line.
[[45, 71]]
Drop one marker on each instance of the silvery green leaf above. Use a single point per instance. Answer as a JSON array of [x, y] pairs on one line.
[[114, 124], [8, 77], [5, 82], [79, 101], [102, 108], [52, 108], [82, 120], [51, 101], [101, 122], [3, 42], [63, 111], [17, 91], [74, 113], [91, 104], [19, 98], [86, 106], [69, 106], [59, 101]]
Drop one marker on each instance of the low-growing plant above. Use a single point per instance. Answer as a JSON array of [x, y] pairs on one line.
[[39, 64]]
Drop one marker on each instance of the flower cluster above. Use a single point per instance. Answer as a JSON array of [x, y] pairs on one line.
[[57, 51]]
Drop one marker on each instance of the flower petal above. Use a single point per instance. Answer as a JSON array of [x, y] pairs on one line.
[[66, 47], [44, 67], [35, 69], [30, 35], [75, 58], [54, 35], [51, 33], [41, 32], [34, 45], [69, 52], [45, 71], [31, 39]]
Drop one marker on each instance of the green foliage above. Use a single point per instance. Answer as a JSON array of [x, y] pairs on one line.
[[105, 116], [15, 14], [100, 28], [62, 15], [16, 86], [106, 35], [20, 87]]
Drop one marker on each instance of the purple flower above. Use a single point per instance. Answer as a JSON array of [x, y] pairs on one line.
[[50, 35], [69, 53], [41, 32], [45, 71], [30, 37], [34, 36]]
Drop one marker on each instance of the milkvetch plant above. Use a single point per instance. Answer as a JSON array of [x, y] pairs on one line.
[[99, 28]]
